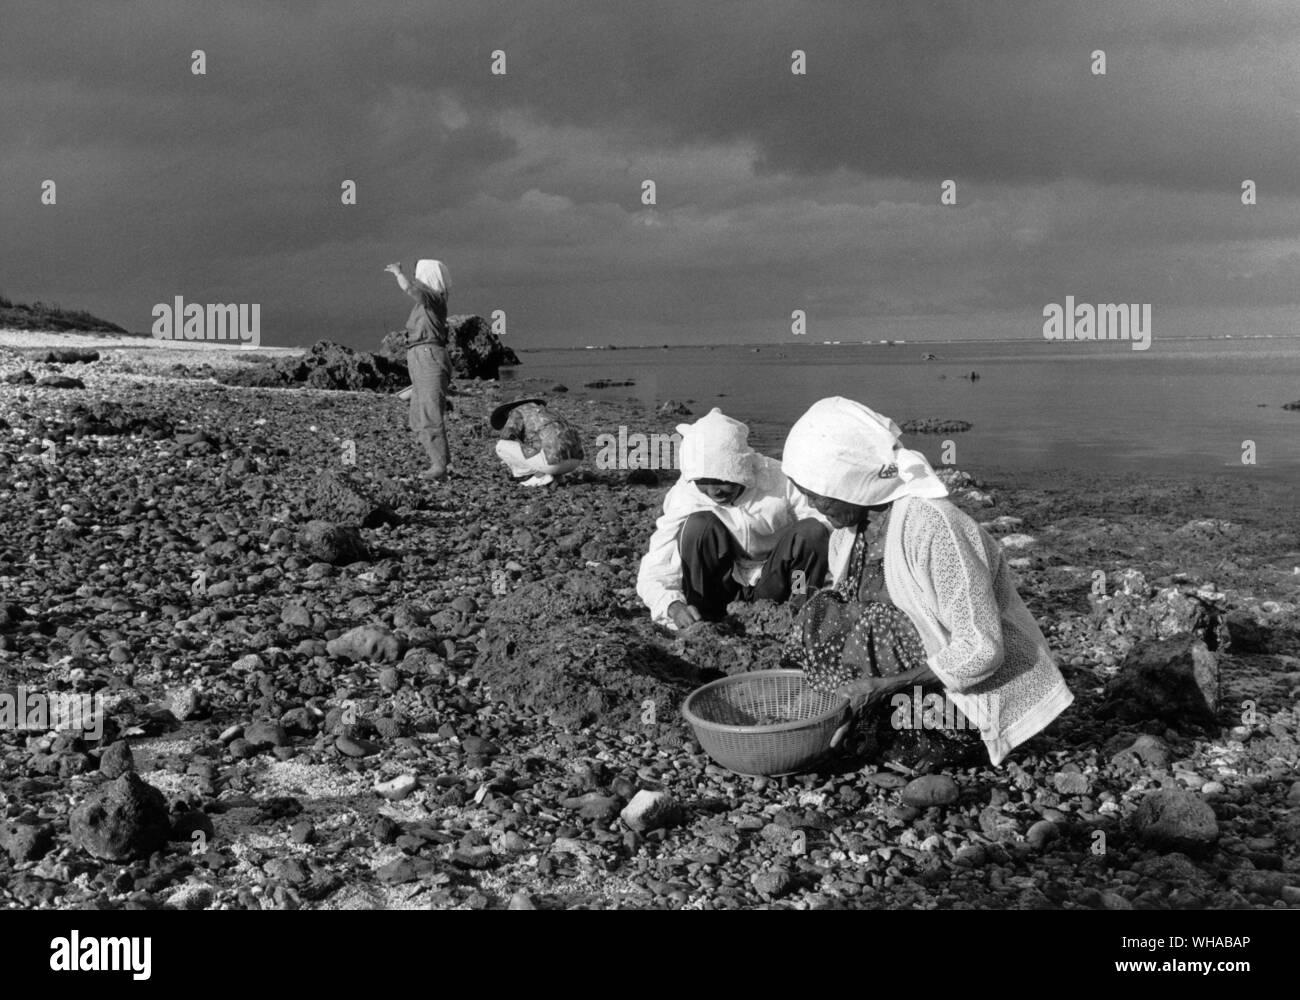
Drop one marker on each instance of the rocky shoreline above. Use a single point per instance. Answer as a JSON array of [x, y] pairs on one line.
[[327, 684]]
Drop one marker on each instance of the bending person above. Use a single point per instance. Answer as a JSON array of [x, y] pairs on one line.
[[733, 526], [922, 596], [536, 445]]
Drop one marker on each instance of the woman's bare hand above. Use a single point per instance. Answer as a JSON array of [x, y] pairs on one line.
[[683, 614], [394, 269], [866, 693]]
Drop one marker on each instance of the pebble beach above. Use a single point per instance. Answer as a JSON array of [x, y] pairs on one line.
[[329, 684]]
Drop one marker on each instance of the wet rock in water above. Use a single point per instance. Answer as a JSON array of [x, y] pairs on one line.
[[125, 819], [1177, 819], [673, 408], [23, 377], [934, 425], [606, 383], [643, 477], [930, 790], [25, 839], [116, 760], [61, 382], [522, 901], [1175, 680], [367, 642], [342, 496], [651, 810], [333, 543]]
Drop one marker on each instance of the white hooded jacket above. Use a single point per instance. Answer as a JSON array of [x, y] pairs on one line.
[[714, 448]]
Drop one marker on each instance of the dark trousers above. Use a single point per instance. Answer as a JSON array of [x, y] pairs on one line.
[[709, 552]]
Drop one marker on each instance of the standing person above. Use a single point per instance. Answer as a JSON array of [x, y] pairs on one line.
[[536, 445], [428, 360], [922, 597], [733, 526]]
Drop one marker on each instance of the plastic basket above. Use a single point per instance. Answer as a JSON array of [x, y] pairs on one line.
[[758, 723]]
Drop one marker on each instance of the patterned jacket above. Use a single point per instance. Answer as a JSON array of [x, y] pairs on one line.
[[536, 428]]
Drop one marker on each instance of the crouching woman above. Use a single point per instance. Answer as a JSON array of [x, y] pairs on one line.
[[921, 601], [733, 527]]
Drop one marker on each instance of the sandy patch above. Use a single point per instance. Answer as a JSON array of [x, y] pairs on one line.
[[140, 350]]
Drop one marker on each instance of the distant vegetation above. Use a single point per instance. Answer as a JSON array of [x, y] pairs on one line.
[[51, 316]]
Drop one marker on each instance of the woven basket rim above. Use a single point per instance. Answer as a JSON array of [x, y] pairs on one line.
[[841, 703]]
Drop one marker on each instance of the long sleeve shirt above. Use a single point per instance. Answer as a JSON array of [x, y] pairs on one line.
[[427, 323], [754, 521], [952, 580], [536, 429]]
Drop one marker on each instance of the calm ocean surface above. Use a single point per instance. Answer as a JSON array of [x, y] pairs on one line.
[[1183, 407]]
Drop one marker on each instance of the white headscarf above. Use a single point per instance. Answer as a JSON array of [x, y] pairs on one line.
[[716, 447], [846, 451], [434, 274]]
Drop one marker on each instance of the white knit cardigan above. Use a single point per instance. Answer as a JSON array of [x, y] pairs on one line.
[[950, 577]]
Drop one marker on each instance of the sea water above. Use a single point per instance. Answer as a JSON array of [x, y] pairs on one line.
[[1182, 408]]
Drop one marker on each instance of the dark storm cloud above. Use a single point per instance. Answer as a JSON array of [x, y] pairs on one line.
[[227, 186]]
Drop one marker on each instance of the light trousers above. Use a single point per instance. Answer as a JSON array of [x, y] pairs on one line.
[[512, 453]]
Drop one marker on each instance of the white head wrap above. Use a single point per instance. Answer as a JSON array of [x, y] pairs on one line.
[[716, 447], [847, 451], [434, 274]]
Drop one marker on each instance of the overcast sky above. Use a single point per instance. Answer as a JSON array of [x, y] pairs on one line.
[[775, 191]]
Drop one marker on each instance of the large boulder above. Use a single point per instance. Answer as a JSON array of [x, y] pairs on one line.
[[367, 642], [26, 839], [333, 543], [125, 819], [1175, 681], [1176, 819], [476, 352], [326, 366], [71, 357], [651, 810], [344, 497], [1131, 609]]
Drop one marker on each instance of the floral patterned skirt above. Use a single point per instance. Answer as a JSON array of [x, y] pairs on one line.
[[835, 641]]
